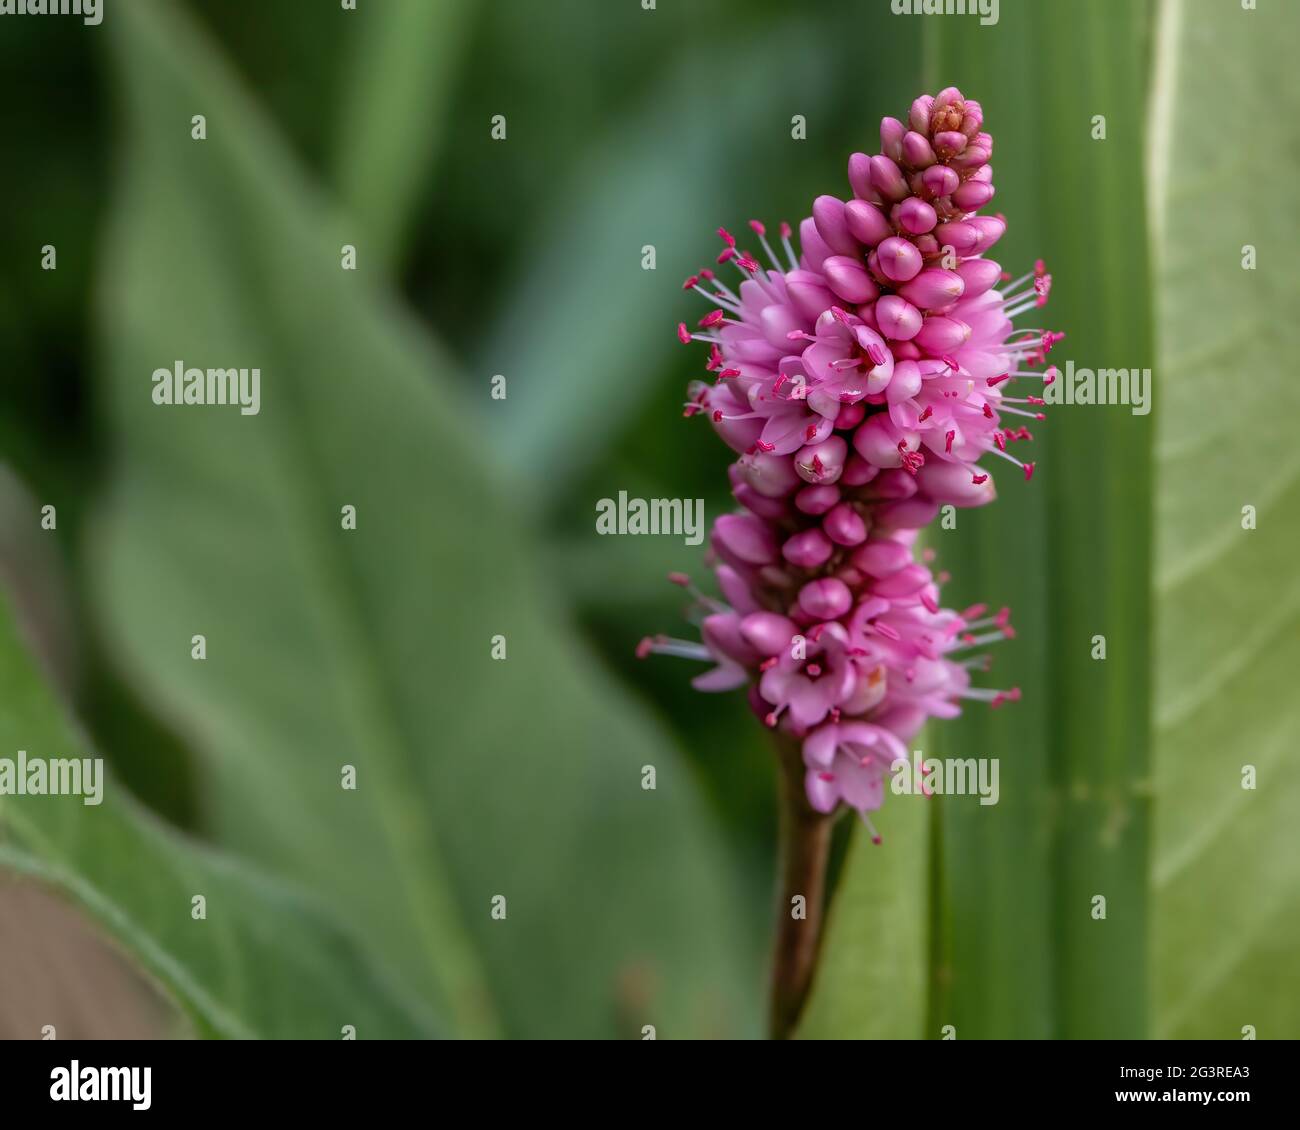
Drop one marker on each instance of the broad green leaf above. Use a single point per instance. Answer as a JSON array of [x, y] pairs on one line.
[[265, 962], [1069, 552], [1226, 913], [476, 778], [392, 113], [1014, 950]]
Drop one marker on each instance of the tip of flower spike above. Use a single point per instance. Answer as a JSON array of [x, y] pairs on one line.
[[683, 334], [679, 579], [727, 237], [758, 227]]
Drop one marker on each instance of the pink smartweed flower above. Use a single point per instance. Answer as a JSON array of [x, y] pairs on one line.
[[861, 380]]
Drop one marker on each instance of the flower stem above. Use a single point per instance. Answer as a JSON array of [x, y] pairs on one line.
[[804, 845]]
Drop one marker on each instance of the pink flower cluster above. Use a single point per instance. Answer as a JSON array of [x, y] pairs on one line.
[[861, 382]]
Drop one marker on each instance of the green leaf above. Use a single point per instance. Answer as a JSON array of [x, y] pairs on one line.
[[1013, 948], [393, 112], [1227, 880], [266, 961], [326, 647], [872, 978], [1069, 552], [581, 334]]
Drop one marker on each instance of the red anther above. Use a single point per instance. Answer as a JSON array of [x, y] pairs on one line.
[[992, 381], [768, 663], [747, 263], [1000, 440], [711, 319], [840, 315], [988, 411], [758, 227], [727, 237], [770, 720], [824, 776], [813, 669], [948, 442], [786, 230], [693, 281], [645, 647], [1029, 471], [764, 447], [978, 480], [683, 334], [727, 374], [725, 254], [679, 579], [929, 411], [706, 274], [717, 417]]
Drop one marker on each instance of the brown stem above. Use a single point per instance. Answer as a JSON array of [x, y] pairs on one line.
[[804, 844]]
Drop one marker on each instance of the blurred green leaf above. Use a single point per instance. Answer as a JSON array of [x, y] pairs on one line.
[[266, 962], [475, 777], [393, 111], [1070, 552], [1227, 875], [579, 336], [1014, 950]]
